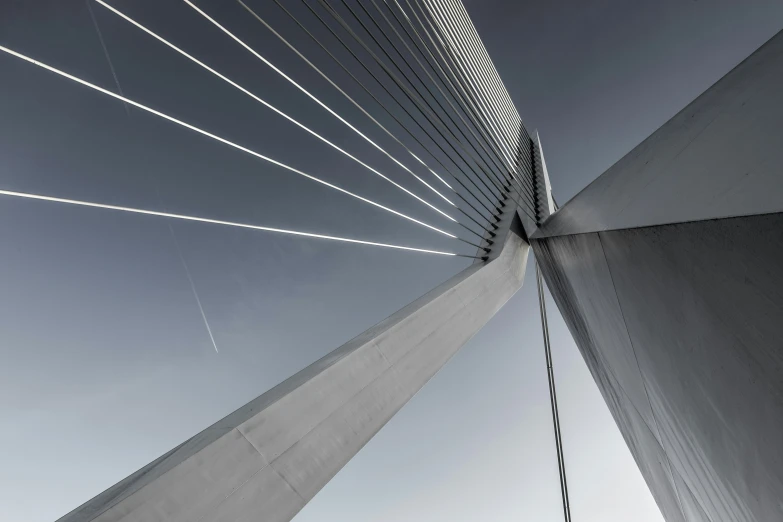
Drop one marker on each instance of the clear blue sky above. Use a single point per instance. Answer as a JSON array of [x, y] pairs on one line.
[[106, 363]]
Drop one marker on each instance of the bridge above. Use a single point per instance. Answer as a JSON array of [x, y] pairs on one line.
[[665, 268]]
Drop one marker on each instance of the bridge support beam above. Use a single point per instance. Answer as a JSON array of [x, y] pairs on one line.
[[266, 460], [667, 271]]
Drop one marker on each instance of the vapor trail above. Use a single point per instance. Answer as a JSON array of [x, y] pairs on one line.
[[171, 229], [106, 53], [193, 287]]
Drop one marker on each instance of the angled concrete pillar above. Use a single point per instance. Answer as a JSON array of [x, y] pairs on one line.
[[668, 270], [266, 460]]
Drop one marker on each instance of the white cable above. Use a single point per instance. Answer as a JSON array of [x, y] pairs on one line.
[[482, 48], [312, 97], [458, 48], [483, 61], [217, 138], [486, 67], [476, 113], [467, 50], [440, 31], [347, 96], [473, 49], [507, 133], [169, 215], [268, 105]]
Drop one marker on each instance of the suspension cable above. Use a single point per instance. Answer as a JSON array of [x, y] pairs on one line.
[[410, 95], [464, 69], [485, 67], [183, 217], [553, 398], [383, 86], [346, 95], [451, 30], [271, 107], [490, 66], [305, 91], [217, 138], [500, 187], [451, 88], [474, 103], [437, 85], [440, 34], [415, 98]]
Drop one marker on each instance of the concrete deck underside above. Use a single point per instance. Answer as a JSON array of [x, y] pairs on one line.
[[266, 460], [668, 270]]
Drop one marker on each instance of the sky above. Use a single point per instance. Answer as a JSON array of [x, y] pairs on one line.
[[107, 362]]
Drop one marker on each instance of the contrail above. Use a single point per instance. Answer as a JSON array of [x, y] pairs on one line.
[[169, 215], [106, 53], [217, 138], [171, 229], [193, 287]]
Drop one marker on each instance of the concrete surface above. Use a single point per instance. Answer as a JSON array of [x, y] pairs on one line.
[[667, 271], [682, 328], [721, 156], [266, 460]]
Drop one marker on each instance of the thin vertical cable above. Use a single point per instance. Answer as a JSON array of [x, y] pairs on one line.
[[553, 398]]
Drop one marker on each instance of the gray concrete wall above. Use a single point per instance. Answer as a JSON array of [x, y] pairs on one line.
[[682, 328], [721, 156], [667, 270], [266, 460]]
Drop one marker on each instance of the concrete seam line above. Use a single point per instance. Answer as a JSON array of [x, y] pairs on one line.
[[239, 486], [639, 367], [304, 500], [328, 416]]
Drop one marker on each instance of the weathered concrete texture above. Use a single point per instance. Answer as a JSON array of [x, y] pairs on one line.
[[721, 156], [682, 328], [266, 460]]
